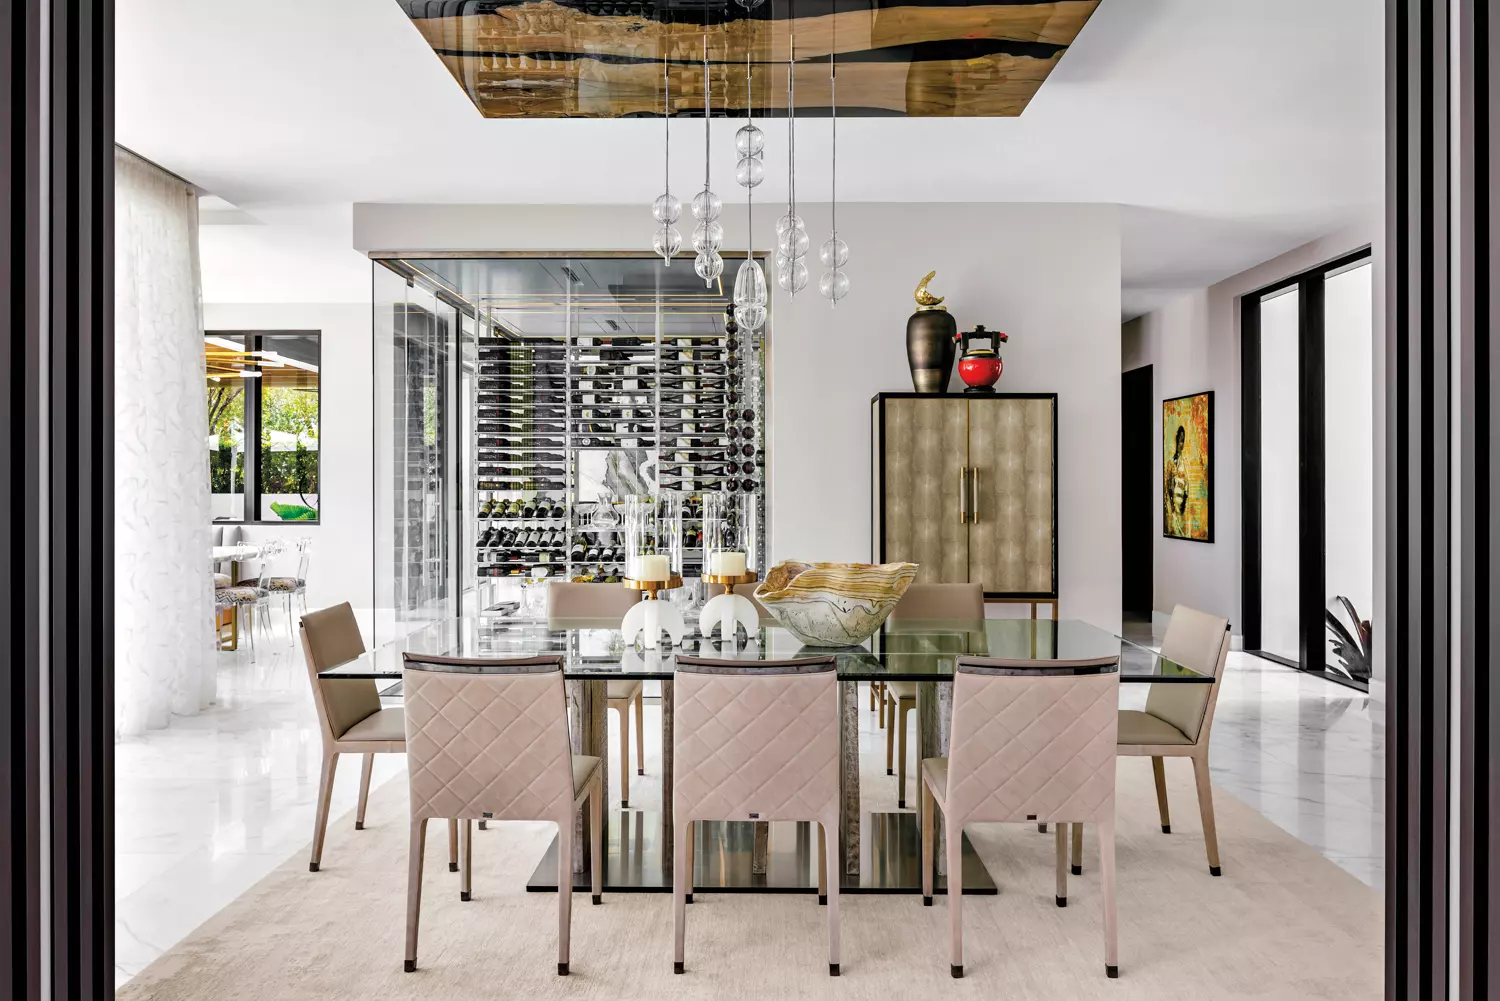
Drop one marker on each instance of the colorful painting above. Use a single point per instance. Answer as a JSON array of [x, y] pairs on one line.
[[1187, 469]]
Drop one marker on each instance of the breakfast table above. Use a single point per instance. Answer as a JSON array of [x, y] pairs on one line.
[[880, 849]]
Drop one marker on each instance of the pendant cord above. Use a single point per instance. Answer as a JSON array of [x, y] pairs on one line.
[[833, 86], [707, 109], [791, 111], [666, 102], [749, 188]]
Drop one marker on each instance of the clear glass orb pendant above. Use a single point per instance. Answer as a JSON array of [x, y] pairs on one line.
[[749, 285], [834, 253], [834, 285], [793, 243], [706, 206], [708, 236], [708, 265], [749, 141], [667, 208], [750, 171], [787, 223], [793, 277], [667, 242]]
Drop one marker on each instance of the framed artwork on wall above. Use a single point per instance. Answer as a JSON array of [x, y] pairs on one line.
[[1187, 467]]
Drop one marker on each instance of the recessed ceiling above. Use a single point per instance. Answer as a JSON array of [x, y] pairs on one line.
[[625, 58]]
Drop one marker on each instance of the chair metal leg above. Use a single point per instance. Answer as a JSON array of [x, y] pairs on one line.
[[320, 820], [564, 893], [928, 822], [890, 751], [1062, 863], [828, 845], [414, 852], [903, 710], [1206, 808], [681, 884], [882, 705], [1077, 849], [640, 733], [452, 845], [1159, 773], [1106, 830], [624, 713], [692, 852], [954, 836], [366, 767], [596, 842], [466, 852], [822, 865]]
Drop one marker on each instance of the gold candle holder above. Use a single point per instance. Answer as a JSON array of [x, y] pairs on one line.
[[651, 587], [728, 583]]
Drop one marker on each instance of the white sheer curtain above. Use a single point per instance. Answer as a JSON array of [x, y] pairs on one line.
[[164, 660]]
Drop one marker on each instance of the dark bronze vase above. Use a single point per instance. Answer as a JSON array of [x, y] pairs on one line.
[[931, 335]]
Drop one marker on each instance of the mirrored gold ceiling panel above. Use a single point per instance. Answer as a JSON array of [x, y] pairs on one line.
[[604, 59]]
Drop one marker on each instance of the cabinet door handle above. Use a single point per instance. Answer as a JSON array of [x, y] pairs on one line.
[[963, 505], [974, 496]]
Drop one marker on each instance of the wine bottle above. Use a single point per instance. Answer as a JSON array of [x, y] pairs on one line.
[[528, 510]]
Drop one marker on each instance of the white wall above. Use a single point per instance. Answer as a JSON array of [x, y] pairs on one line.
[[342, 541], [1194, 344], [1047, 274]]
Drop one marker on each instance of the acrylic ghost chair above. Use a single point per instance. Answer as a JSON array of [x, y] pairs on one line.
[[488, 739], [350, 717], [1027, 742], [931, 602], [567, 600], [289, 588], [756, 741]]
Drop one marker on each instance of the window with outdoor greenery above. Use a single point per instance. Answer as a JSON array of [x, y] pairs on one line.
[[263, 386]]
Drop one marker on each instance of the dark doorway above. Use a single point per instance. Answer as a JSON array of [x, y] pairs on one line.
[[1137, 491]]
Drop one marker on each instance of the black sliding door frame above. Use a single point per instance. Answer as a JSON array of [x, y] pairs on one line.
[[1311, 479]]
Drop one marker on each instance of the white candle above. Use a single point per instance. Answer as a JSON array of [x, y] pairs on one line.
[[652, 568], [722, 564]]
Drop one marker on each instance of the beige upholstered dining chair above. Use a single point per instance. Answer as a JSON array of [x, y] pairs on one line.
[[489, 739], [349, 716], [566, 600], [1179, 716], [921, 601], [759, 741], [1027, 742]]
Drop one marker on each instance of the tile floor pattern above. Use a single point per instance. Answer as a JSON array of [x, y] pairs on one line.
[[212, 804]]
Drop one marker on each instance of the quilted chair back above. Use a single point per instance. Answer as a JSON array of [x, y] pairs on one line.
[[488, 737], [1198, 641], [1031, 741], [755, 740]]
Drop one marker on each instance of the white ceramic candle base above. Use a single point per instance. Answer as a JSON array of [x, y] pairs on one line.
[[728, 612], [647, 619]]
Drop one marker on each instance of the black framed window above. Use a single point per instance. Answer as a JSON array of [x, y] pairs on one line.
[[264, 424], [1307, 459]]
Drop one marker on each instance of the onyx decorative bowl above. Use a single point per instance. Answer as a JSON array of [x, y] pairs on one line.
[[833, 604]]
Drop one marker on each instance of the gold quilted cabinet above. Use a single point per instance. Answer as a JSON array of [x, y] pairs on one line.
[[966, 486]]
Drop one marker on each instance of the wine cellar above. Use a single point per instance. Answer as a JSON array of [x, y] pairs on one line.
[[584, 381]]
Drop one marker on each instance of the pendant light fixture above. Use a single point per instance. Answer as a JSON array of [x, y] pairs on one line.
[[791, 234], [709, 233], [667, 209], [834, 253], [750, 280]]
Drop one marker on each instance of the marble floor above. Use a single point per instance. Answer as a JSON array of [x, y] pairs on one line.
[[210, 805]]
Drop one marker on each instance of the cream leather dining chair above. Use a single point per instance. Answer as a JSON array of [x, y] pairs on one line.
[[1179, 717], [488, 739], [921, 601], [1027, 742], [350, 717], [755, 740], [566, 600]]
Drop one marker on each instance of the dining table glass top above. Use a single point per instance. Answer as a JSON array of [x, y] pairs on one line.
[[900, 651]]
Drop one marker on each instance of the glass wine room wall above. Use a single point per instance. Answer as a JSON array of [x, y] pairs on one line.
[[582, 380]]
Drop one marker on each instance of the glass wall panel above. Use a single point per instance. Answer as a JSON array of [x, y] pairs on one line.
[[1349, 464], [1280, 475]]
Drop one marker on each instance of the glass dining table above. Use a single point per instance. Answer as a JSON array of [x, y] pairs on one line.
[[880, 849]]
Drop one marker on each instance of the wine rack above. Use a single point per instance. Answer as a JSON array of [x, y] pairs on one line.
[[687, 399]]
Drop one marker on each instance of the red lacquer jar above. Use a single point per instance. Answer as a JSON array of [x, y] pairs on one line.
[[980, 367]]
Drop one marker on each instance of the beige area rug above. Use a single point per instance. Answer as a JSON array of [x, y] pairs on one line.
[[1282, 922]]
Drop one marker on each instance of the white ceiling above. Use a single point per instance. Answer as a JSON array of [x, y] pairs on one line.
[[1230, 131]]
